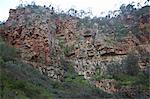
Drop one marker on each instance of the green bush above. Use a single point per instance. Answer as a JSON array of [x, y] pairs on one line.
[[7, 53], [28, 82], [139, 80], [130, 64], [25, 72], [76, 79], [1, 61], [125, 80], [114, 69], [97, 76], [70, 74], [143, 80], [21, 89]]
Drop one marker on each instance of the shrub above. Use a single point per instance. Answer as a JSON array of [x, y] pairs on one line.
[[7, 53], [114, 69], [143, 80], [21, 89], [130, 64], [125, 80], [97, 76], [1, 61]]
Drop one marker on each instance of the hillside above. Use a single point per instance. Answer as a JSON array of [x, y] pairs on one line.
[[58, 55]]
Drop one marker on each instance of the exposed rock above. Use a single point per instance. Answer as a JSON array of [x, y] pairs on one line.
[[44, 38], [107, 85]]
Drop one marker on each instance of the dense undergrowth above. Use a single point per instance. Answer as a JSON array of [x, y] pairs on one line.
[[126, 74], [20, 80]]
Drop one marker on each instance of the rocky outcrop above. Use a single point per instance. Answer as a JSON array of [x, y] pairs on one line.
[[45, 37], [107, 85]]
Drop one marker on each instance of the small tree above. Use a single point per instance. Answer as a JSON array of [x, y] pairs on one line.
[[130, 64], [72, 12]]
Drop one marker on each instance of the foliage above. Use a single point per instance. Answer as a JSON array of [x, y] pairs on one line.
[[65, 48], [114, 69], [20, 89], [97, 76], [130, 64], [127, 73], [1, 60], [142, 11], [125, 80], [70, 74], [127, 8], [20, 80], [7, 53], [76, 79], [30, 83], [140, 80]]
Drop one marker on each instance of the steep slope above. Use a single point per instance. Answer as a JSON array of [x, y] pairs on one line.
[[21, 80], [99, 49]]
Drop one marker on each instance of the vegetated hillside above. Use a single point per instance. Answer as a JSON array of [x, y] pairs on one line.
[[21, 80], [78, 57]]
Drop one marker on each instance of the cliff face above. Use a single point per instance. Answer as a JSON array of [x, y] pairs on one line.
[[46, 38]]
